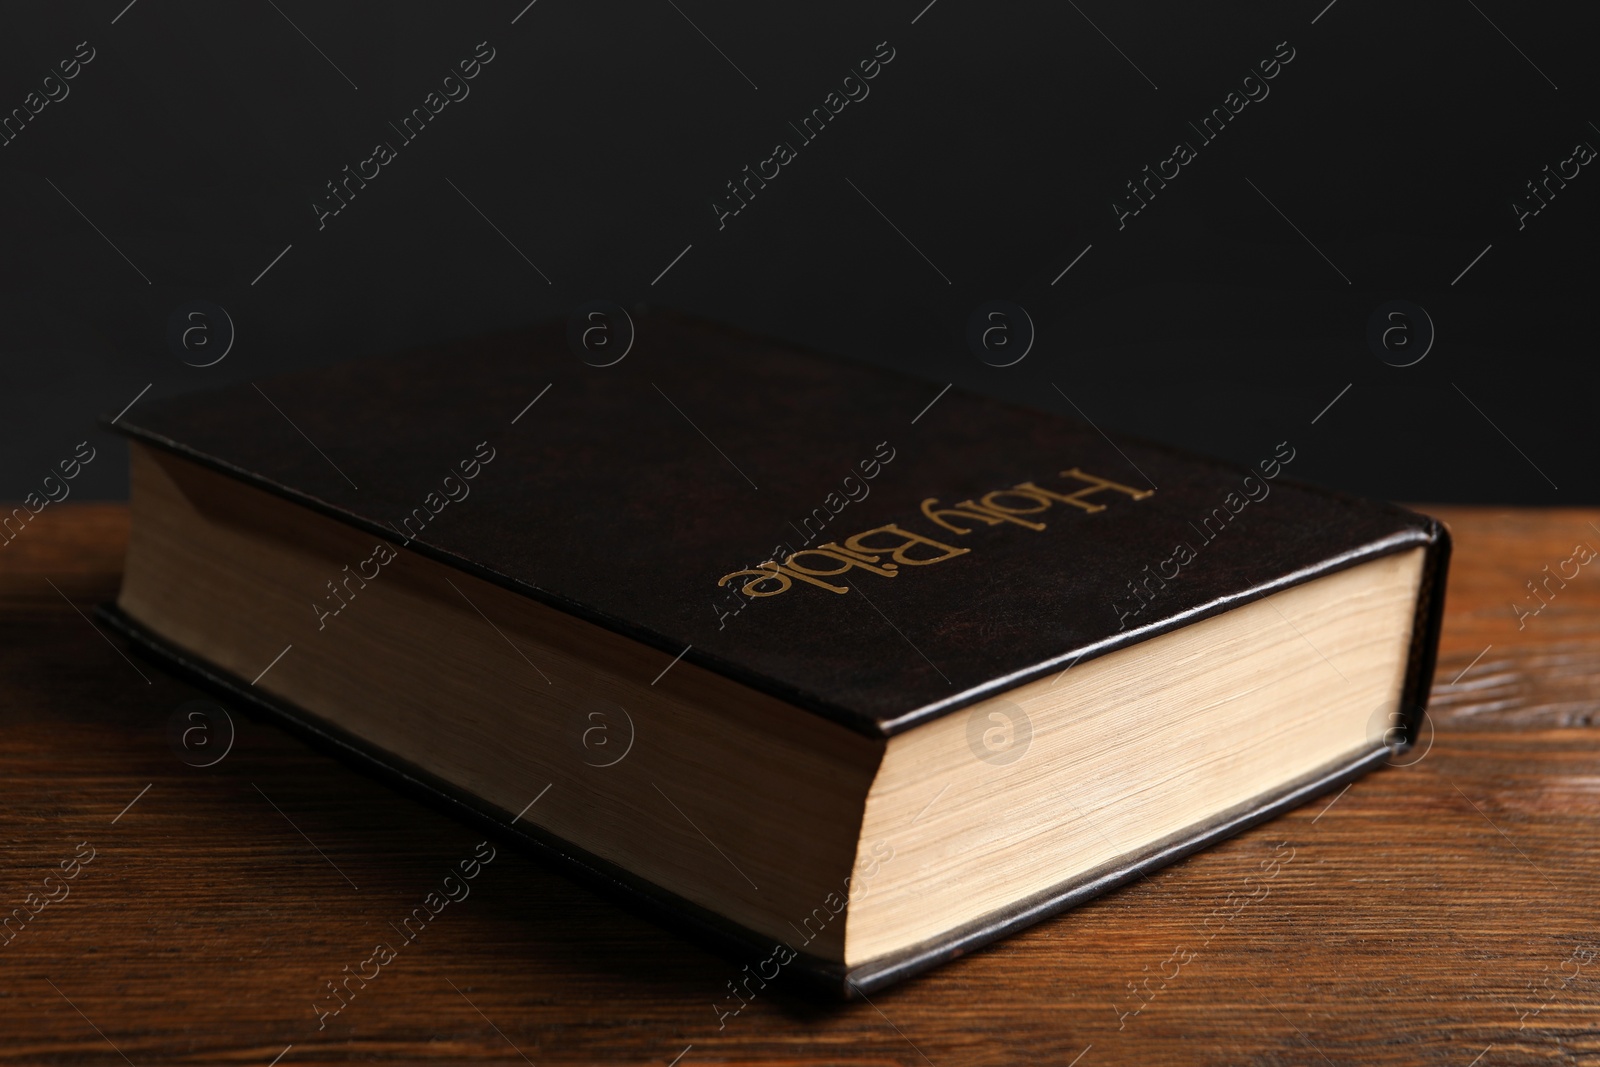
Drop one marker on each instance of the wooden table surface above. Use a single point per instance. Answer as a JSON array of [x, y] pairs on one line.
[[1441, 913]]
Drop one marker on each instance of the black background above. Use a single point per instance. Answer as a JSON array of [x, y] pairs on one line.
[[996, 141]]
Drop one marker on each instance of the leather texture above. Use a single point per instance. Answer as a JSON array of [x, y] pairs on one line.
[[626, 492]]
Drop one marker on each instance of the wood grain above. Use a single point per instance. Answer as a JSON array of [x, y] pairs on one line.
[[1431, 914]]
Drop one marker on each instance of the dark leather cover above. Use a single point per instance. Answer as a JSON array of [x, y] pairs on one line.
[[626, 492]]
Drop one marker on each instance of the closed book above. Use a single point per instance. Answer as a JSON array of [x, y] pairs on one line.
[[838, 668]]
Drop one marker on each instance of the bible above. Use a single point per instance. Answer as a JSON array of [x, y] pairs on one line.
[[835, 669]]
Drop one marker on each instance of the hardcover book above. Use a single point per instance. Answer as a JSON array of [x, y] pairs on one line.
[[840, 670]]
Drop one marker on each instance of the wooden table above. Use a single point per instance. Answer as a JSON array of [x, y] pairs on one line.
[[1443, 913]]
